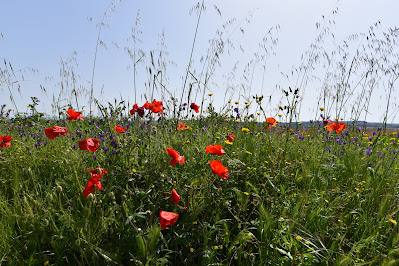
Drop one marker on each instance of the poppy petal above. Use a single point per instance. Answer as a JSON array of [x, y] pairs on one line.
[[176, 158], [215, 149], [167, 219], [174, 197], [219, 169]]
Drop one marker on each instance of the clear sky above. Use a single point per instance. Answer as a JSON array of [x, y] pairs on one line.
[[42, 34]]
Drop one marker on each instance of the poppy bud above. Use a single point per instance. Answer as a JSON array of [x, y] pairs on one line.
[[50, 197], [90, 197], [59, 189], [111, 195], [45, 222]]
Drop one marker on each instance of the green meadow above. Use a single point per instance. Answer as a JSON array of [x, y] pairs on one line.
[[293, 195]]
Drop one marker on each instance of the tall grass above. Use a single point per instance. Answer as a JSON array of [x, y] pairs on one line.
[[319, 199]]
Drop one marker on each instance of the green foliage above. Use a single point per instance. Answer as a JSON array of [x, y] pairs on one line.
[[313, 200]]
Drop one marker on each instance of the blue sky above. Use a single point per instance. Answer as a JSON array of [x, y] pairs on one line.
[[39, 34]]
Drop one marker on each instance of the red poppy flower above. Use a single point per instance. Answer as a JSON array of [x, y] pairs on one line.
[[181, 126], [215, 149], [137, 109], [230, 137], [219, 169], [140, 111], [134, 110], [55, 131], [167, 219], [270, 122], [157, 107], [119, 129], [74, 115], [326, 121], [89, 144], [5, 141], [100, 172], [194, 107], [176, 158], [175, 197], [338, 127], [147, 106], [94, 181]]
